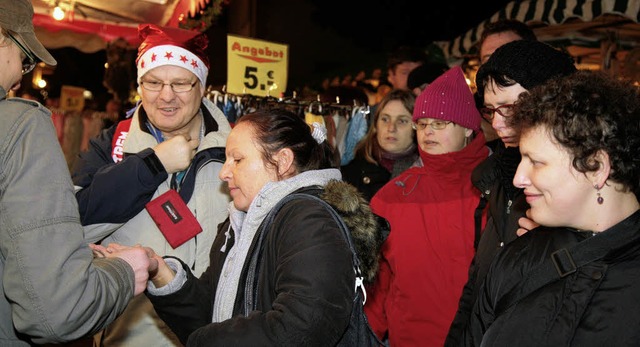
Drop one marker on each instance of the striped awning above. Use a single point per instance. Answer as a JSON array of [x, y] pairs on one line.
[[550, 12]]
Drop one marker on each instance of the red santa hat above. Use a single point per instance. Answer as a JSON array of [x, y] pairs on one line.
[[172, 46]]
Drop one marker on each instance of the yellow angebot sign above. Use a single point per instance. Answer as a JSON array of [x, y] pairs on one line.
[[256, 67], [72, 98]]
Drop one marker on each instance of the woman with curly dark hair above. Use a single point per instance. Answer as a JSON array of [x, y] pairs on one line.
[[573, 282]]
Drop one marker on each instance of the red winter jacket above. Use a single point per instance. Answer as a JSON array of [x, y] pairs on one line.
[[425, 259]]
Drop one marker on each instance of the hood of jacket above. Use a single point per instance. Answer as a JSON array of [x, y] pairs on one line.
[[365, 227]]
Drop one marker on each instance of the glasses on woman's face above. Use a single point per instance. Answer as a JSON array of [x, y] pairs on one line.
[[29, 62], [435, 125], [505, 110]]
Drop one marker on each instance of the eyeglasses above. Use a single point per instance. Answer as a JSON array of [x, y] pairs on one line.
[[29, 62], [505, 110], [435, 125], [178, 87]]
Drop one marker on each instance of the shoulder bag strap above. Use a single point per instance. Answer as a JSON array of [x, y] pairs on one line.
[[562, 263], [251, 285]]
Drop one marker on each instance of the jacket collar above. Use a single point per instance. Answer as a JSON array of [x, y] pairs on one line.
[[217, 129], [452, 162]]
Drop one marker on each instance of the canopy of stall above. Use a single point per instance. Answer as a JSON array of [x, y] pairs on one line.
[[593, 31], [90, 24]]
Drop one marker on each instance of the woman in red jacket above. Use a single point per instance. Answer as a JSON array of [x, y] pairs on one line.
[[430, 207]]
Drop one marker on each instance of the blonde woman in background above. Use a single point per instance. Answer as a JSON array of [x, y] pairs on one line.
[[388, 148]]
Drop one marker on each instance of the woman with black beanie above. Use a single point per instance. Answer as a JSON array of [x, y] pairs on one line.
[[513, 69]]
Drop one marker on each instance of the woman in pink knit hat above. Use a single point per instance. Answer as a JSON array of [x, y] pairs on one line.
[[425, 259]]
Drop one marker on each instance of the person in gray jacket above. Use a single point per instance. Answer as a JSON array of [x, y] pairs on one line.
[[52, 290]]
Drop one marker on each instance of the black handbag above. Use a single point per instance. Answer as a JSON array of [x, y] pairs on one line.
[[358, 333]]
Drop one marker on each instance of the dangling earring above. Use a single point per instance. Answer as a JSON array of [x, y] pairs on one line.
[[600, 198]]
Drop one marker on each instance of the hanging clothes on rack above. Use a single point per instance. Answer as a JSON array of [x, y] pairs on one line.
[[346, 124], [356, 130]]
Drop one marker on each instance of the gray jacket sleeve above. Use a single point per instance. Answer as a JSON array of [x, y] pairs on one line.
[[56, 290]]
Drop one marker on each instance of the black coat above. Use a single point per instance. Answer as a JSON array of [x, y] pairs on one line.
[[595, 306], [365, 176], [306, 283], [506, 204], [369, 177]]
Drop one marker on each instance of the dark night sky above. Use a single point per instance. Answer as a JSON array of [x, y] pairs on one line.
[[329, 37], [325, 37]]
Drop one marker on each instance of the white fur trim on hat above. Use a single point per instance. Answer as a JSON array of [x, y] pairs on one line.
[[172, 55]]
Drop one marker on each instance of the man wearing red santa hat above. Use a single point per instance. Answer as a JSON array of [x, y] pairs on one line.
[[152, 179]]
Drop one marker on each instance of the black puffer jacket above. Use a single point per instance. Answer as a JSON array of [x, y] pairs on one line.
[[506, 204], [306, 283], [595, 306]]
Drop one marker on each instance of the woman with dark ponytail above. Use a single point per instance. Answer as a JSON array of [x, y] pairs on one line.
[[283, 277], [277, 129]]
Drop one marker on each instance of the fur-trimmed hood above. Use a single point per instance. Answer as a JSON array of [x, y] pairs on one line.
[[365, 227]]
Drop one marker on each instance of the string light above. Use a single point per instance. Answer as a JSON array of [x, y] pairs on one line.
[[58, 13]]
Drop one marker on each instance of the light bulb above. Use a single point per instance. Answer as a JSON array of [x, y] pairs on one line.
[[58, 13]]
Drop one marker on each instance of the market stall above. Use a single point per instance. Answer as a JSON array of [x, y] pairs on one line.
[[89, 25], [599, 34]]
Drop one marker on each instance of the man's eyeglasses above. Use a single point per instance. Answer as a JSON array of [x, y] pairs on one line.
[[505, 110], [29, 62], [178, 87], [435, 125]]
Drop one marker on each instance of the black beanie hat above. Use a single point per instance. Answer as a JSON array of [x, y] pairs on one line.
[[526, 62], [425, 73]]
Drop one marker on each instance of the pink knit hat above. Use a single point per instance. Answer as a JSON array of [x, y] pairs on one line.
[[449, 98]]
